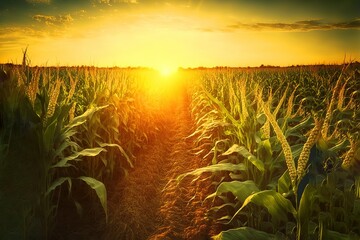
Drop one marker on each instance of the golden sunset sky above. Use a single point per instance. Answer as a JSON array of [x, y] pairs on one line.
[[178, 33]]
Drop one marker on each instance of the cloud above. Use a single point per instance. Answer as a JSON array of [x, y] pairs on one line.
[[26, 34], [299, 26], [17, 32], [211, 30], [15, 38], [54, 20]]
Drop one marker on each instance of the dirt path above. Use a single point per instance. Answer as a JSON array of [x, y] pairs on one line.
[[143, 208]]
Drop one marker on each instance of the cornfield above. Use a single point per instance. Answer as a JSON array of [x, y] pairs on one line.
[[223, 153]]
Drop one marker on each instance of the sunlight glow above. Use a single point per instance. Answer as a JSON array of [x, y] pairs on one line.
[[173, 33], [167, 71], [164, 82]]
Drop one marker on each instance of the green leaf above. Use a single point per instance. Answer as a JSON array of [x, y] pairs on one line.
[[79, 208], [277, 205], [296, 150], [57, 183], [284, 183], [241, 190], [222, 206], [88, 152], [265, 153], [64, 145], [49, 136], [243, 233], [120, 149], [261, 118], [332, 235], [214, 168], [245, 153], [304, 211], [339, 146], [100, 190], [83, 117], [296, 130], [223, 108], [218, 147]]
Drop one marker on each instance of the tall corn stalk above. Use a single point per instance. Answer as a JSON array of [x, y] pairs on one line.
[[292, 139], [36, 121]]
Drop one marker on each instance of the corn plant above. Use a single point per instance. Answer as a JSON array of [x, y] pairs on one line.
[[284, 170], [36, 121]]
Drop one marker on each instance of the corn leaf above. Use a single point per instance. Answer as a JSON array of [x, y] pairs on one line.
[[332, 235], [120, 149], [57, 183], [83, 117], [241, 190], [304, 211], [49, 135], [88, 152], [296, 130], [221, 207], [214, 168], [100, 190], [246, 154], [277, 205], [243, 233], [223, 109], [339, 146], [284, 183]]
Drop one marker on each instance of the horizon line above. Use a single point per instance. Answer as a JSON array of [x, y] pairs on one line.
[[184, 68]]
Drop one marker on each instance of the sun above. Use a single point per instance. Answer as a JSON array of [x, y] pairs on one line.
[[165, 83], [167, 71]]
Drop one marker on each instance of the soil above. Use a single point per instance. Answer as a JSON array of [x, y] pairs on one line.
[[149, 203]]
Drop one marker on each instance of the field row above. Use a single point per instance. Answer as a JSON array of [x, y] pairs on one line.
[[281, 146], [283, 149]]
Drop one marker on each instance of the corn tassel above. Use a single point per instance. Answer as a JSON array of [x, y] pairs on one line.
[[284, 144], [53, 99], [349, 156], [304, 155]]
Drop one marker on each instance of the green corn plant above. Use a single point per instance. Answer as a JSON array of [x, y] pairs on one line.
[[36, 120], [281, 188], [18, 157], [253, 166], [61, 158], [122, 128], [60, 152]]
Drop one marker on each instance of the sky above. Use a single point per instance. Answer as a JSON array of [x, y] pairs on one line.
[[187, 33]]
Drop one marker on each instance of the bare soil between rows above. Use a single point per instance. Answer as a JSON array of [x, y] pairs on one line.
[[149, 203]]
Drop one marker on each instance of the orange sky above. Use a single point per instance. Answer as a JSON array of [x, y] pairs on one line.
[[179, 33]]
